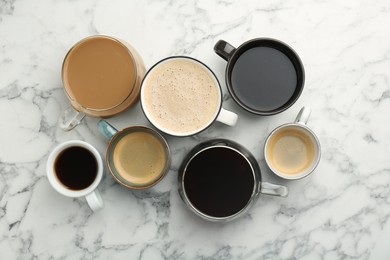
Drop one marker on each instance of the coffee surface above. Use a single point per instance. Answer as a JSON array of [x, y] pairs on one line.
[[99, 73], [291, 151], [263, 78], [181, 96], [219, 182], [139, 158], [76, 168]]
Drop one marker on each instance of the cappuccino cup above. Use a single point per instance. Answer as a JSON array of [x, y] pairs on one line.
[[101, 76], [137, 157], [75, 169], [181, 96], [292, 151]]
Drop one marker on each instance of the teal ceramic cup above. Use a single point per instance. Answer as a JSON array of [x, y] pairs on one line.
[[137, 157]]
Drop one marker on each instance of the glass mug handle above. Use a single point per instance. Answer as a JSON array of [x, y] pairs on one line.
[[273, 189], [303, 116], [94, 200], [70, 118]]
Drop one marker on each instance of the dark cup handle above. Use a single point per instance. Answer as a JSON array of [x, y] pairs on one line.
[[224, 49]]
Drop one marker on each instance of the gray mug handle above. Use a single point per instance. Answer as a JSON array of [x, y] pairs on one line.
[[273, 189]]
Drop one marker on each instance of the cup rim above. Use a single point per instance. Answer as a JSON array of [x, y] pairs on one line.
[[316, 143], [84, 108], [254, 195], [56, 183], [167, 131], [110, 149], [244, 47]]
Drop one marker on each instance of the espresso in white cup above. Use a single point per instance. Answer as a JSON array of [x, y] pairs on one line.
[[75, 169], [181, 96]]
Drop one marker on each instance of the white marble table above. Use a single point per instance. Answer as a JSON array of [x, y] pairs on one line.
[[340, 212]]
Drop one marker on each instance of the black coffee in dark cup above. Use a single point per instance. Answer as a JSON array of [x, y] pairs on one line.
[[264, 76]]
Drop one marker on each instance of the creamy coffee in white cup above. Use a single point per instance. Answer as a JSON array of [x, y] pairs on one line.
[[292, 151], [75, 169], [181, 96]]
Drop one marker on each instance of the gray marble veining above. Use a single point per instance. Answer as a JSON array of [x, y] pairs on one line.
[[342, 211]]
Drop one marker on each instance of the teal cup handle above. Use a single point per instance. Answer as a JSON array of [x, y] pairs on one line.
[[106, 129]]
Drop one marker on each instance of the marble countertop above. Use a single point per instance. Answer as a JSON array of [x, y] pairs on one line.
[[342, 211]]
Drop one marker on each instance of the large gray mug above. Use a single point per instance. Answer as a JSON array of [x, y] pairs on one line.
[[220, 180]]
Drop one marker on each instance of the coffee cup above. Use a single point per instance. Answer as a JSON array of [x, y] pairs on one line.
[[181, 96], [264, 76], [75, 169], [292, 151], [137, 157], [219, 180], [101, 76]]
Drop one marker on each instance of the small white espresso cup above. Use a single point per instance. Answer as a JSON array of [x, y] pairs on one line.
[[292, 151], [90, 192]]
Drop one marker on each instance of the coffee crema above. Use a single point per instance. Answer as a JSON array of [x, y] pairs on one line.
[[181, 96], [99, 73], [140, 158], [290, 151]]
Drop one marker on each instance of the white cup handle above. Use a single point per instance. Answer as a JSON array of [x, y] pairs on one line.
[[94, 200], [303, 116], [70, 118], [227, 117]]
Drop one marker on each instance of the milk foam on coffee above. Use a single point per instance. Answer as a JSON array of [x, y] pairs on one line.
[[99, 73], [291, 151], [140, 158], [181, 96]]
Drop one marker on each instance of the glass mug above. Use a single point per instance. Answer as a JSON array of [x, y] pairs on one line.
[[264, 76], [137, 157], [219, 180], [181, 96], [75, 169], [292, 151], [101, 76]]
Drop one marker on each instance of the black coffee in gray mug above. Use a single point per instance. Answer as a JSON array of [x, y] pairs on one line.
[[220, 180], [264, 76]]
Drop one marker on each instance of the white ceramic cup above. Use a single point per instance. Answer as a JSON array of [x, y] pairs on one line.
[[296, 129], [90, 193], [220, 114]]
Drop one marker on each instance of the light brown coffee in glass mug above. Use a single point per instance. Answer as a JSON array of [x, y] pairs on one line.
[[102, 77]]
